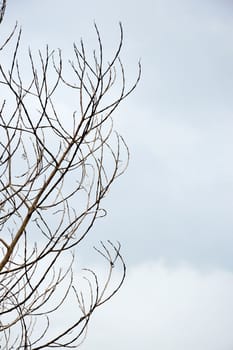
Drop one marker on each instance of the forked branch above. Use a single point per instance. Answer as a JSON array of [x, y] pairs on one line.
[[57, 163]]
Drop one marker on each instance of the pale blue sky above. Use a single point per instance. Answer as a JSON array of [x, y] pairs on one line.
[[175, 203]]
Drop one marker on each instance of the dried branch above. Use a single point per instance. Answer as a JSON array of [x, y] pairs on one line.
[[56, 166]]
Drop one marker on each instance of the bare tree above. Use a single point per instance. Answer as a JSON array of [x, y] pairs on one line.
[[55, 169]]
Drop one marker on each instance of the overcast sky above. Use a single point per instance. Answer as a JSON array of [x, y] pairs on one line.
[[172, 210]]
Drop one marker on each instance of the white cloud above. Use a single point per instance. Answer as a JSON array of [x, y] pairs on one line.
[[167, 308]]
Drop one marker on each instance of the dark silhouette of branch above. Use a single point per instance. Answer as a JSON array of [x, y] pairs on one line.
[[55, 169]]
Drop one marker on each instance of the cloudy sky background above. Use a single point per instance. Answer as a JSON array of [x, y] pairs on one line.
[[172, 211]]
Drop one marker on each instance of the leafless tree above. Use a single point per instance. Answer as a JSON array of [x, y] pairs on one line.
[[55, 169]]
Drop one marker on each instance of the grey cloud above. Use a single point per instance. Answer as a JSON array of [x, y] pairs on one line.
[[176, 199], [167, 308]]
